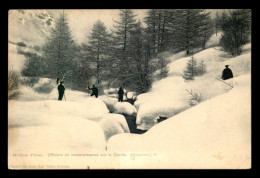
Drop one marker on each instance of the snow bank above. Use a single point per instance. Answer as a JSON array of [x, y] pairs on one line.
[[24, 113], [125, 108], [59, 133], [62, 125], [113, 124], [166, 98], [213, 134], [131, 95], [37, 124], [110, 102]]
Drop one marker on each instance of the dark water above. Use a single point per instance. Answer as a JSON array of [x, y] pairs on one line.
[[131, 121]]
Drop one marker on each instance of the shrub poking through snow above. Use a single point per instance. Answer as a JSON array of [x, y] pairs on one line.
[[13, 84], [202, 68], [21, 44], [196, 97], [191, 69]]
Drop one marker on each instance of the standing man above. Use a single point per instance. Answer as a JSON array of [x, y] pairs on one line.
[[58, 79], [61, 90], [120, 94], [94, 91], [227, 73]]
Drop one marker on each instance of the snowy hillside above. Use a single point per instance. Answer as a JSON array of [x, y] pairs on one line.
[[27, 30], [172, 92], [15, 61], [29, 26]]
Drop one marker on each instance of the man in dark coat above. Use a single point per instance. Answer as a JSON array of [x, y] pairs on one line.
[[227, 73], [61, 90], [120, 94], [94, 91]]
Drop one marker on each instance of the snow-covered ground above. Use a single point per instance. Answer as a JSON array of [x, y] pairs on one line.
[[213, 134], [170, 96], [216, 133]]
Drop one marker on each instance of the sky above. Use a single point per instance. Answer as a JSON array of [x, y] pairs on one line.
[[82, 20]]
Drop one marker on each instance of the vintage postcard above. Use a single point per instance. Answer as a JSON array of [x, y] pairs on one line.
[[129, 89]]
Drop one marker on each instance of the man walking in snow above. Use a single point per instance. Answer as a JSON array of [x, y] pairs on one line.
[[227, 73], [94, 91], [120, 94], [61, 90]]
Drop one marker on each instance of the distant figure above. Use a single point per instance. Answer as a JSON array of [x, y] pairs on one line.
[[61, 90], [58, 79], [120, 94], [94, 91], [227, 73]]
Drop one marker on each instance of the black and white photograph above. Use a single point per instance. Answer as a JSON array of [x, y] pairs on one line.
[[129, 89]]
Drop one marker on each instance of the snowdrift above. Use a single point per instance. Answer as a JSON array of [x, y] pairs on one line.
[[56, 133], [110, 102], [213, 134], [113, 124], [125, 108]]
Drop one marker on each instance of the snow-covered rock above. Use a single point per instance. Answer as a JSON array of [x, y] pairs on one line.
[[110, 102], [165, 98], [131, 95], [113, 124], [125, 108]]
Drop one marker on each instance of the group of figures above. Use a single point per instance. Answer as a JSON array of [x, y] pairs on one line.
[[226, 74], [94, 89]]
